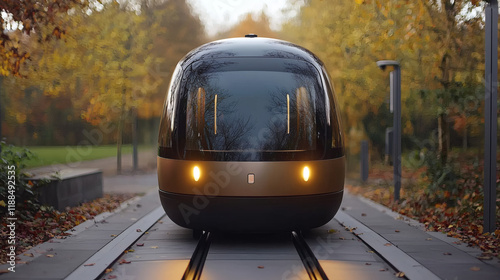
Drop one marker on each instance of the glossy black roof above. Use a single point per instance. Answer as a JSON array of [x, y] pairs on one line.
[[250, 47]]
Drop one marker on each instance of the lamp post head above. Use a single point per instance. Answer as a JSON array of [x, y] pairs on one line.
[[384, 63]]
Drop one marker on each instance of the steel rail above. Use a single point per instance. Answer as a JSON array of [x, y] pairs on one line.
[[311, 263], [197, 261]]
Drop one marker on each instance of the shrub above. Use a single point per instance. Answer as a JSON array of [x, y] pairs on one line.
[[14, 159]]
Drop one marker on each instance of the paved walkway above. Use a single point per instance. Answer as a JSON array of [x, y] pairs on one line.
[[129, 181]]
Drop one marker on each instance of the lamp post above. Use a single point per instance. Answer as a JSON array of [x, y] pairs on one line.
[[490, 115], [395, 106]]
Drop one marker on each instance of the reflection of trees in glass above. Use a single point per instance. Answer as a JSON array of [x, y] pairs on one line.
[[200, 119], [301, 112], [254, 109]]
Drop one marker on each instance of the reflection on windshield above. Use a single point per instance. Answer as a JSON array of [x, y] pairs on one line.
[[255, 111]]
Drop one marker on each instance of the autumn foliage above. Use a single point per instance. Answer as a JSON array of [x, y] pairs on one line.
[[112, 61]]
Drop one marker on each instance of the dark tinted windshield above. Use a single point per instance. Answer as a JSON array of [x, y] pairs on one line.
[[238, 110], [250, 109]]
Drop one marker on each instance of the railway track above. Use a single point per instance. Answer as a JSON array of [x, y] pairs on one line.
[[197, 261], [154, 247]]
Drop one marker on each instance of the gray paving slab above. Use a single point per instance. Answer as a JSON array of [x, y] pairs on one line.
[[149, 270], [57, 267], [270, 245], [473, 251], [95, 245], [464, 272], [425, 247], [254, 269], [172, 250], [443, 255], [333, 242], [336, 269]]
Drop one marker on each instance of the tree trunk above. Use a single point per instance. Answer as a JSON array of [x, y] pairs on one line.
[[1, 85], [443, 131], [119, 147], [119, 138], [134, 140], [443, 138]]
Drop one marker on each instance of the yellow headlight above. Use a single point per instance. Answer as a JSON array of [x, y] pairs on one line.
[[306, 173], [196, 173]]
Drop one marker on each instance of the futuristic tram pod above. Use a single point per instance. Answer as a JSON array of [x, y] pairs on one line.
[[250, 139]]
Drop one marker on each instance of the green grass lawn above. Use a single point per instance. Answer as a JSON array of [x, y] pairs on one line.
[[66, 154]]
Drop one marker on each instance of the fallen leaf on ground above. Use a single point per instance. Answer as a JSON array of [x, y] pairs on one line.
[[2, 271], [332, 231], [113, 235], [368, 264], [400, 274], [29, 255], [485, 258], [383, 269], [111, 277], [138, 230], [397, 230], [108, 270], [154, 247], [50, 256], [387, 244], [447, 253], [139, 244], [122, 261], [475, 268], [89, 264], [260, 266], [428, 239], [363, 214]]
